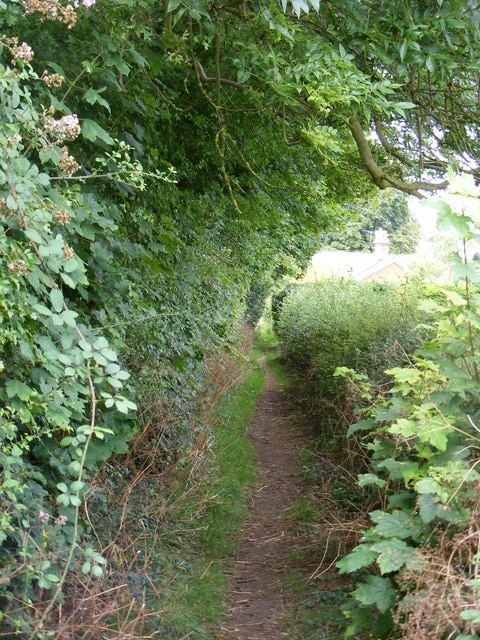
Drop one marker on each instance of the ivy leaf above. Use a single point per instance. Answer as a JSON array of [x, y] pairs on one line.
[[369, 479], [56, 298], [361, 556], [16, 388], [92, 96], [447, 219], [394, 554], [93, 131], [377, 591]]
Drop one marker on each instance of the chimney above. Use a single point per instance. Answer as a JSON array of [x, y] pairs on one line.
[[381, 243]]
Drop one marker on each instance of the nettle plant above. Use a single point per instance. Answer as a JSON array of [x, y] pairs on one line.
[[419, 559], [64, 401]]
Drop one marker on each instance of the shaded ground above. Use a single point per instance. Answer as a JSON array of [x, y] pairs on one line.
[[258, 600]]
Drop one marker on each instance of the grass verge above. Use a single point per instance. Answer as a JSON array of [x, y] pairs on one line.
[[196, 599]]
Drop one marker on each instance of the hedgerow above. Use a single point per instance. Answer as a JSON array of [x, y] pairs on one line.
[[119, 278], [417, 535], [340, 322], [422, 548]]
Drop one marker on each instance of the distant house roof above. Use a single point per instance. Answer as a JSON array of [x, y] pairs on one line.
[[376, 265]]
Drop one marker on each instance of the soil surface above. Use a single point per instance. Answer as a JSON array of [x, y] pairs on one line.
[[264, 559]]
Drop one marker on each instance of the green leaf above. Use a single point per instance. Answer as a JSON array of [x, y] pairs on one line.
[[43, 583], [172, 5], [42, 309], [56, 298], [471, 615], [361, 425], [16, 388], [34, 236], [92, 96], [370, 479], [16, 451], [109, 354], [448, 220], [361, 556], [432, 486], [394, 554], [377, 591], [97, 571], [52, 577], [398, 470], [75, 500], [397, 524], [430, 508], [404, 427], [93, 131], [69, 317], [100, 343], [43, 179]]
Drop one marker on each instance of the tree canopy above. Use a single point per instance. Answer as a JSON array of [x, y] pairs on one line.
[[388, 210]]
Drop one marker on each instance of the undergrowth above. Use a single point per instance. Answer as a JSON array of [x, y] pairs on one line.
[[166, 530]]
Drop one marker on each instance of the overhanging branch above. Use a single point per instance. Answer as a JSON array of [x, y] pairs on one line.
[[382, 179], [204, 79]]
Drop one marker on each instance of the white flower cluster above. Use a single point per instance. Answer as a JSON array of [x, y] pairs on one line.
[[52, 79], [67, 163], [54, 10], [44, 518], [21, 51], [65, 127]]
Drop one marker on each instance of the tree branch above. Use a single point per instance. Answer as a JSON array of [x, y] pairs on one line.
[[433, 163], [204, 79], [382, 179]]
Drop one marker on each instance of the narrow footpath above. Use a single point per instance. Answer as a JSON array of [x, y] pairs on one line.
[[257, 595]]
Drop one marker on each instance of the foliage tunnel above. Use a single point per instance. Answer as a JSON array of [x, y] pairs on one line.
[[161, 166]]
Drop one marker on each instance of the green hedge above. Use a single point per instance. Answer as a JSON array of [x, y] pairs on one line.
[[340, 322]]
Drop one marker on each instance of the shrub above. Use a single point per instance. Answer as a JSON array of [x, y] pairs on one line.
[[422, 548], [340, 322]]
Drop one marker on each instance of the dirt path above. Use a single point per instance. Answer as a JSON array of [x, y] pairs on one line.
[[258, 602]]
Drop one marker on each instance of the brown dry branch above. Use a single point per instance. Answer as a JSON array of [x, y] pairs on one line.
[[438, 594]]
